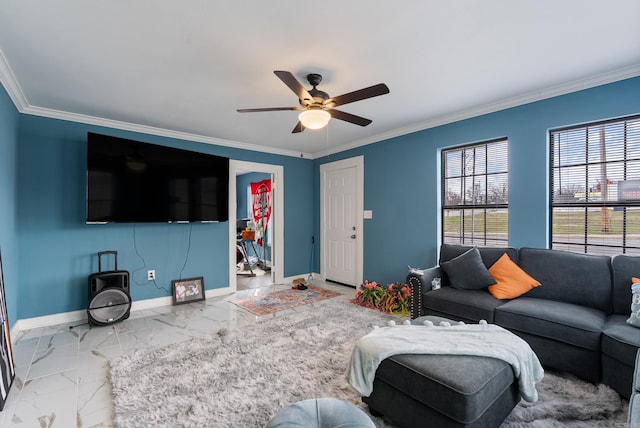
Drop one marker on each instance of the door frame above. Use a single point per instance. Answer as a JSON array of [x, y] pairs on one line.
[[277, 188], [358, 163]]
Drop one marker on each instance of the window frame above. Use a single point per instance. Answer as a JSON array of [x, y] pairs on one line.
[[589, 206], [482, 237]]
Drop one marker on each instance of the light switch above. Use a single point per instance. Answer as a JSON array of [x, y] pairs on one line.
[[368, 214]]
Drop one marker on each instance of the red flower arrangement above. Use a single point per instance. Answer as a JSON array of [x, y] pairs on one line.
[[394, 298]]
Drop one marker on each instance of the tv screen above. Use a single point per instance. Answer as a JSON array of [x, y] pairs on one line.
[[135, 182]]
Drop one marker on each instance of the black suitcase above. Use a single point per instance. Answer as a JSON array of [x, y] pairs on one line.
[[109, 298]]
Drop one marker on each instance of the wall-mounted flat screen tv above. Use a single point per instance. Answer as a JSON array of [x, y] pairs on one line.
[[135, 182]]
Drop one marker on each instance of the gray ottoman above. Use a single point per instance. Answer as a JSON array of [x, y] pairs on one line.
[[321, 413], [443, 390]]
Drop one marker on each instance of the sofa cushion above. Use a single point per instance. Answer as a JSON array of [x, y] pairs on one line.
[[634, 411], [634, 401], [489, 255], [619, 340], [634, 318], [467, 271], [581, 279], [565, 322], [511, 280], [624, 269], [636, 374], [461, 305]]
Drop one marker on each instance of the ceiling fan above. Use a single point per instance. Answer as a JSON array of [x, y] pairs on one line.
[[316, 106]]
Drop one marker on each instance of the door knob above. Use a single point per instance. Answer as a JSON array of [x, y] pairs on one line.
[[353, 236]]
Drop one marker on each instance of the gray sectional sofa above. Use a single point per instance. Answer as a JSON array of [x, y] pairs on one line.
[[634, 401], [575, 321]]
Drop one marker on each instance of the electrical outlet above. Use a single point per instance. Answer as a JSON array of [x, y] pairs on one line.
[[151, 275]]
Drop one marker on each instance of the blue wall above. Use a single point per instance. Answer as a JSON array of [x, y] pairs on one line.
[[48, 250], [58, 250], [242, 182], [8, 201], [402, 176]]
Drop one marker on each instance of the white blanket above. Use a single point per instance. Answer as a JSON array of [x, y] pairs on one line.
[[486, 340]]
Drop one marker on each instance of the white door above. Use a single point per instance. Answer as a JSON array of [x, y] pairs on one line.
[[341, 221]]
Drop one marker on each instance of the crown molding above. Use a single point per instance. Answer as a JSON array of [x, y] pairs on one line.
[[10, 83], [152, 130], [533, 96]]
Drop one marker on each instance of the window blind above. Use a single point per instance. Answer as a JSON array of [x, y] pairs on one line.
[[595, 187], [475, 194]]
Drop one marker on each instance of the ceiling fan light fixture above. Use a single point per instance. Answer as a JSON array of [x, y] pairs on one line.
[[314, 118]]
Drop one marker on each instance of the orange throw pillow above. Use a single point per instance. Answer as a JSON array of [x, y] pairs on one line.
[[511, 281]]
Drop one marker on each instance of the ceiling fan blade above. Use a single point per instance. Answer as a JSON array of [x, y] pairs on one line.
[[293, 84], [348, 117], [254, 110], [361, 94], [299, 128]]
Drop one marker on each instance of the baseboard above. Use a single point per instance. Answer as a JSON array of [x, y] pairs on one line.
[[75, 316], [217, 292], [305, 276], [48, 320]]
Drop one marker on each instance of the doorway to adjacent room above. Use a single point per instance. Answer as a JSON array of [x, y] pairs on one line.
[[255, 257]]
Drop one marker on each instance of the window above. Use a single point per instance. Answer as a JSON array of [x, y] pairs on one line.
[[475, 194], [595, 187]]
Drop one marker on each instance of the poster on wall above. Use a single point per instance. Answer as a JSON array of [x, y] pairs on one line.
[[261, 195], [7, 367]]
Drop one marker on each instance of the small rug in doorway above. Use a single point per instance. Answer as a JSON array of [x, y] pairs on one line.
[[284, 299]]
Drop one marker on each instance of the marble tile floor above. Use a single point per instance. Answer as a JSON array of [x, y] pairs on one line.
[[258, 281], [62, 370]]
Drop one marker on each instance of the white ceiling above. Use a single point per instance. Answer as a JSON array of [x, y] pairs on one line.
[[182, 68]]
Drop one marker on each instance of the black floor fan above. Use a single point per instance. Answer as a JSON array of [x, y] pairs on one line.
[[109, 298]]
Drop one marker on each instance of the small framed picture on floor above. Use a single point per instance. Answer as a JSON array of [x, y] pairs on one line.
[[187, 290]]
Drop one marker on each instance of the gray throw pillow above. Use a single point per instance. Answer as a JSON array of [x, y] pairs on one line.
[[468, 272], [634, 319]]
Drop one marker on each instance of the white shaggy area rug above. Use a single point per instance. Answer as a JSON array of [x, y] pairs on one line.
[[241, 378]]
